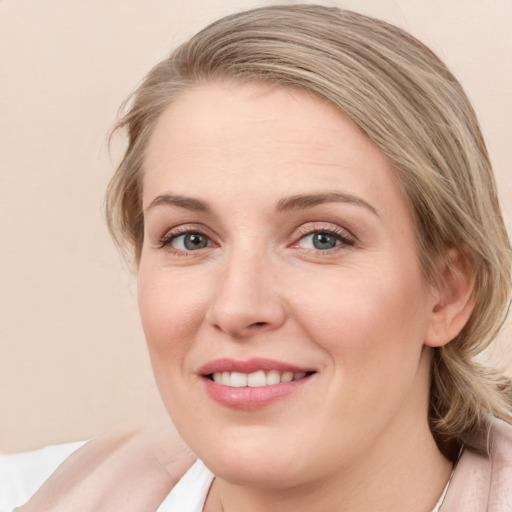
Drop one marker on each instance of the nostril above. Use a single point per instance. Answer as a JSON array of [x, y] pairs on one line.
[[258, 324]]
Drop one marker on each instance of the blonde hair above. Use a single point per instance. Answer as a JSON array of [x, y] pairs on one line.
[[409, 104]]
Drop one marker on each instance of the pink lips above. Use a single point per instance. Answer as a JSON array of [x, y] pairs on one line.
[[249, 366], [249, 398]]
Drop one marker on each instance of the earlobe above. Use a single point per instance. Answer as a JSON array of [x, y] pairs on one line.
[[453, 300]]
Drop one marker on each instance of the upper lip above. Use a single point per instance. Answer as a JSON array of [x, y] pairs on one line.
[[249, 366]]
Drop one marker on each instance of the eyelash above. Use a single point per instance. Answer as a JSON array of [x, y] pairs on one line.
[[346, 240], [170, 236]]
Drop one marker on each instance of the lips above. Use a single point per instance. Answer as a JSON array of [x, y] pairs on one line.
[[253, 383]]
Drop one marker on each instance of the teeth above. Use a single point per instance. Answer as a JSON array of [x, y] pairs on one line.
[[287, 377], [255, 379], [238, 380], [273, 377]]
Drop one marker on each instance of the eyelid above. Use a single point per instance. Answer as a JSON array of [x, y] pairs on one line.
[[346, 237], [165, 240]]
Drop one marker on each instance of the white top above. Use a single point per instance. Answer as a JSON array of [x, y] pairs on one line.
[[189, 494], [21, 474]]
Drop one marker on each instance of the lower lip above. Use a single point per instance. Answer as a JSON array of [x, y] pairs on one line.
[[248, 398]]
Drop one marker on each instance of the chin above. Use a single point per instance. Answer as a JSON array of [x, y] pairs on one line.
[[268, 473], [257, 463]]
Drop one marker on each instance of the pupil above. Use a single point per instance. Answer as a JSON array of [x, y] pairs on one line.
[[194, 241], [324, 241]]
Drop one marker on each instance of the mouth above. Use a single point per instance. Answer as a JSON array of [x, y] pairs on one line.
[[254, 383], [257, 379]]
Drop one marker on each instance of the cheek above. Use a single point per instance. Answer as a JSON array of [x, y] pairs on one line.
[[171, 310], [364, 318], [372, 331]]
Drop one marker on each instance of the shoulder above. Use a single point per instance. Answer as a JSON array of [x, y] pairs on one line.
[[129, 471], [501, 457], [501, 440], [484, 484], [22, 473]]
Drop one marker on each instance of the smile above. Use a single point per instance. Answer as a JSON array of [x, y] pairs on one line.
[[256, 379], [254, 383]]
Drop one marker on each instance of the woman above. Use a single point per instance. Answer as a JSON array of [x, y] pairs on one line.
[[321, 256]]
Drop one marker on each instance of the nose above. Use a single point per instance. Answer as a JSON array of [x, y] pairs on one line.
[[247, 300]]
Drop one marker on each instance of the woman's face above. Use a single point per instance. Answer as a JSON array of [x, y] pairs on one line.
[[277, 246]]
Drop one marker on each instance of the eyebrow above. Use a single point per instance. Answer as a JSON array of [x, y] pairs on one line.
[[303, 201], [189, 203], [297, 202]]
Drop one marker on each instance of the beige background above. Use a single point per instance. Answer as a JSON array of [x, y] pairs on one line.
[[72, 356]]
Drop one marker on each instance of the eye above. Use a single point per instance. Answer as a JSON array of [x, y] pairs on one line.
[[320, 241], [191, 241], [323, 238]]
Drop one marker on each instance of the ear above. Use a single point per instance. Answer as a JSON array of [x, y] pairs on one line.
[[453, 300]]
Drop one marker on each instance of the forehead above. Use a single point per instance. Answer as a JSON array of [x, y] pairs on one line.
[[224, 116], [263, 137]]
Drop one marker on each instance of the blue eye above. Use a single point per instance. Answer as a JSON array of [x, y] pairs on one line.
[[324, 241], [321, 241], [189, 241]]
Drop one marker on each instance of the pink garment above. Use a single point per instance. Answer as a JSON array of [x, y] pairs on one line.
[[129, 472], [484, 484], [134, 473]]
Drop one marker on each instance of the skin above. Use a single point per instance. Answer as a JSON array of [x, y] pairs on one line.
[[355, 436]]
